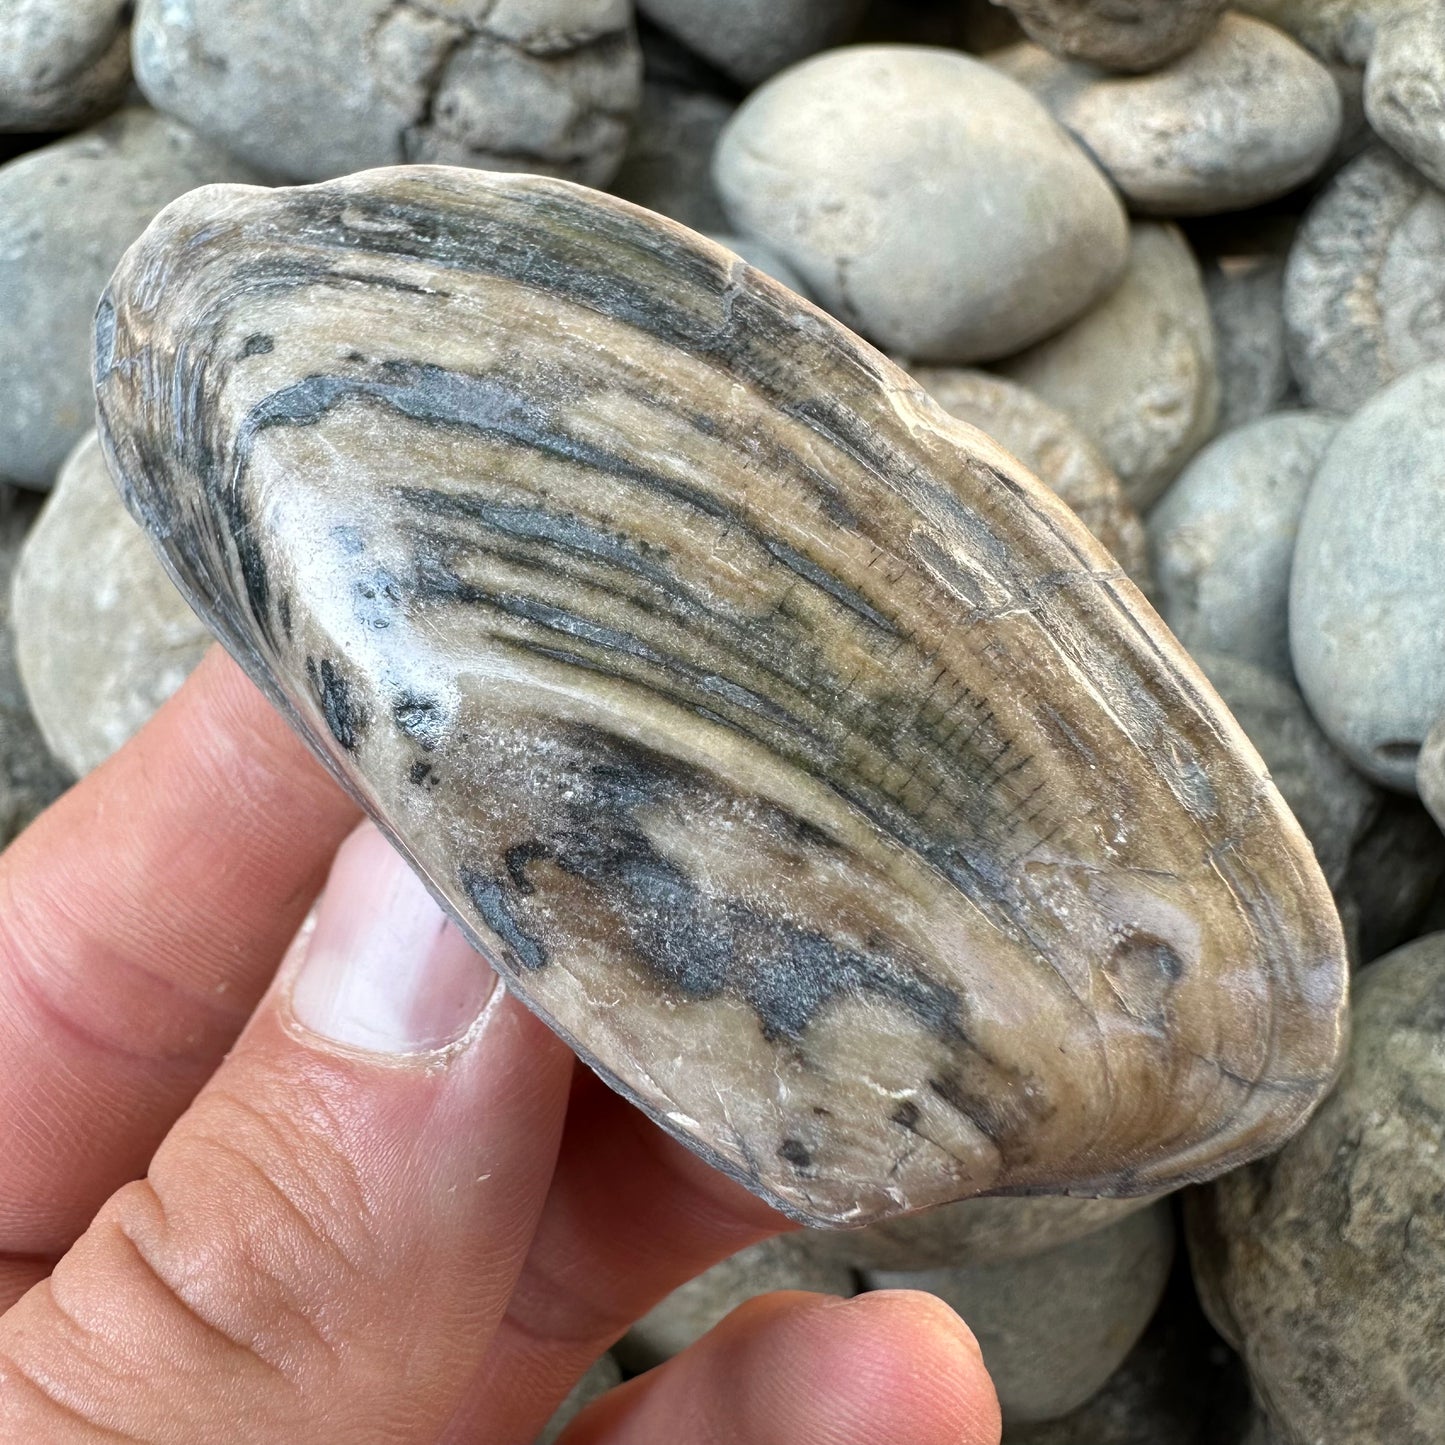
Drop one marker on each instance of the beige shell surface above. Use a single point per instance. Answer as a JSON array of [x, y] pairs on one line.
[[790, 749]]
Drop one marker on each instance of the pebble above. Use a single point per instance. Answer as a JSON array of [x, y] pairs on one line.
[[1246, 116], [1367, 591], [547, 86], [62, 62], [668, 165], [97, 660], [788, 1261], [1364, 293], [926, 200], [1137, 373], [603, 1376], [1430, 772], [1405, 86], [1246, 303], [1333, 803], [1055, 1326], [1133, 36], [1322, 1265], [1052, 447], [67, 213], [1222, 537], [762, 257], [975, 1231], [30, 777], [753, 39]]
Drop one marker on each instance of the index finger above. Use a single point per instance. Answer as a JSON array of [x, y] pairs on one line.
[[140, 920]]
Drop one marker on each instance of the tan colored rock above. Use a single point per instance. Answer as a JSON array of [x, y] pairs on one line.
[[1052, 447], [1137, 373]]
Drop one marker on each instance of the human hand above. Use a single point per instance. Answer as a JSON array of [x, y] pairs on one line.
[[395, 1210]]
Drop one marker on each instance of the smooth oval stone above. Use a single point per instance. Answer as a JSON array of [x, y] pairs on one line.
[[1222, 538], [926, 200], [1367, 590], [599, 1379], [1405, 87], [1246, 304], [753, 39], [796, 754], [975, 1231], [1322, 1266], [1247, 116], [525, 85], [67, 213], [787, 1262], [1054, 1327], [1334, 804], [1051, 447], [1364, 290], [1137, 373], [62, 62], [1132, 35]]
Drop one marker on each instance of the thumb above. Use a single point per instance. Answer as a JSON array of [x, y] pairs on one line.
[[326, 1241]]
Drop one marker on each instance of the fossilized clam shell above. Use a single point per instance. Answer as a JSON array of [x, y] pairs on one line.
[[790, 749]]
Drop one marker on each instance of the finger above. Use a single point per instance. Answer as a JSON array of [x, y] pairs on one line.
[[631, 1215], [140, 919], [895, 1365], [327, 1239]]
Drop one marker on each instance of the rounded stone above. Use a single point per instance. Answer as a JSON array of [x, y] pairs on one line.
[[1055, 1326], [1322, 1265], [545, 86], [1133, 35], [97, 658], [974, 1232], [1405, 86], [67, 213], [753, 39], [1430, 772], [1333, 803], [601, 1377], [1340, 32], [1137, 373], [1051, 447], [926, 200], [1222, 537], [1364, 293], [1246, 116], [1246, 303], [62, 62], [788, 1261], [668, 165], [1367, 592]]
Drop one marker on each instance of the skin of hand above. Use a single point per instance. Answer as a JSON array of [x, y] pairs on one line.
[[364, 1197]]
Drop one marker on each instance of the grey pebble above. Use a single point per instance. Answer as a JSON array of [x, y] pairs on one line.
[[1246, 116], [1333, 803], [905, 185], [1322, 1265], [1222, 537], [1246, 302], [1129, 35], [1052, 447], [546, 86], [1367, 591], [67, 214], [668, 165], [1405, 85], [788, 1261], [974, 1232], [753, 39], [1364, 290], [1055, 1326], [62, 62], [97, 660], [603, 1376], [1137, 373]]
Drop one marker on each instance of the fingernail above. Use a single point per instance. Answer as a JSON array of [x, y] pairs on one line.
[[384, 968]]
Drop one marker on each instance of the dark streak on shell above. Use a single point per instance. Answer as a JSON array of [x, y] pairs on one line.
[[790, 749]]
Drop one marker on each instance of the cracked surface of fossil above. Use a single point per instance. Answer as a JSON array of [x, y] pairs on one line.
[[791, 750]]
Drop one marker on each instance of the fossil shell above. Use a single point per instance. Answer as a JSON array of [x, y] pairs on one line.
[[794, 753]]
